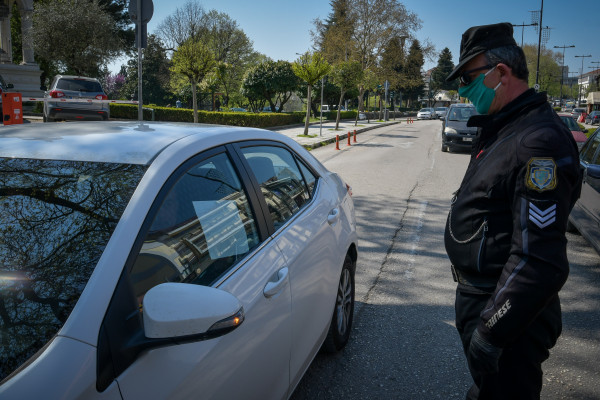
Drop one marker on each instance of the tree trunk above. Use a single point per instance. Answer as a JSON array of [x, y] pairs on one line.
[[339, 112], [308, 96], [194, 102]]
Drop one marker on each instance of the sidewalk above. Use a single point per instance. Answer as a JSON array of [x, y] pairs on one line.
[[318, 136]]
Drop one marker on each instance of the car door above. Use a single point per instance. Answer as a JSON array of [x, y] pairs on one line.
[[305, 219], [203, 229], [589, 201]]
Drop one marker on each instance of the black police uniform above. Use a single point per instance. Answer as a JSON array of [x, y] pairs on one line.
[[505, 237]]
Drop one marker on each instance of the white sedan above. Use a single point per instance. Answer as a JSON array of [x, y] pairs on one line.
[[426, 113], [154, 261]]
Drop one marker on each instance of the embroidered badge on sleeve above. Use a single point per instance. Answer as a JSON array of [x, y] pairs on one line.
[[541, 174], [542, 217]]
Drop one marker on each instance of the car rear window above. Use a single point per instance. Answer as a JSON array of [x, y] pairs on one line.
[[79, 85], [57, 217]]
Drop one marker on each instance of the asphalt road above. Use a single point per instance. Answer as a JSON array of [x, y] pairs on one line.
[[404, 344]]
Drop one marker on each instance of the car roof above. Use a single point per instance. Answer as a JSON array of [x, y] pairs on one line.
[[85, 78], [462, 105], [113, 141]]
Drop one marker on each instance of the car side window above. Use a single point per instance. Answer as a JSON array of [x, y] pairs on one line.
[[280, 180], [589, 150], [203, 226]]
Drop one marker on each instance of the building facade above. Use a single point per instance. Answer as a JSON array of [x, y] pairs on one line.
[[24, 76]]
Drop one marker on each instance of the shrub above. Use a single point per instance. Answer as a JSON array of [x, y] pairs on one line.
[[262, 120]]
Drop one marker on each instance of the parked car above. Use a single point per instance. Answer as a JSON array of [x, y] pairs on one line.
[[426, 113], [593, 118], [237, 109], [576, 113], [154, 261], [585, 216], [440, 112], [456, 135], [63, 95], [3, 87], [579, 136]]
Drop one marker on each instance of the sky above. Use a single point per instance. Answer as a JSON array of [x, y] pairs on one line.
[[281, 29]]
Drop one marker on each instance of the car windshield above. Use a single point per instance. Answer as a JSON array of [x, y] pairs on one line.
[[425, 110], [78, 85], [461, 113], [57, 217], [570, 122]]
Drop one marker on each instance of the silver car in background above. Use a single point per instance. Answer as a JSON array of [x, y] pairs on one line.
[[61, 100]]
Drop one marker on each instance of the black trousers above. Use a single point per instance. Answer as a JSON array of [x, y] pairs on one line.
[[520, 366]]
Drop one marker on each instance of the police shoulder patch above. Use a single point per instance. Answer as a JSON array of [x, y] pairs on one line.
[[541, 174]]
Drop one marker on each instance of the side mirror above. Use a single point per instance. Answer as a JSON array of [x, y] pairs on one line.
[[593, 171], [172, 310], [10, 86]]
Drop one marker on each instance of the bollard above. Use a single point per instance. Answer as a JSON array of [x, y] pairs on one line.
[[348, 139], [337, 142], [355, 136]]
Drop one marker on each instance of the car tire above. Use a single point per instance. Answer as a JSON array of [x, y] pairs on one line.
[[445, 148], [343, 312]]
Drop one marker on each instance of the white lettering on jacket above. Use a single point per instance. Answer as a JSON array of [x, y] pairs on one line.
[[499, 314]]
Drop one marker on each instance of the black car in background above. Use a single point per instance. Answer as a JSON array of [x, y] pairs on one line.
[[455, 133], [585, 216]]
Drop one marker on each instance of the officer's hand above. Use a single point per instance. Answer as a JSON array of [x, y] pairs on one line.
[[483, 356]]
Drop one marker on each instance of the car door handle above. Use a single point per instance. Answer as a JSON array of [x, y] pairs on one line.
[[272, 288], [333, 216]]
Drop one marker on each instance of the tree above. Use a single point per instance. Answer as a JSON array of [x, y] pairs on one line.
[[271, 81], [346, 75], [412, 83], [439, 73], [94, 35], [310, 67], [193, 60], [377, 23], [550, 68], [155, 74], [230, 46], [332, 37]]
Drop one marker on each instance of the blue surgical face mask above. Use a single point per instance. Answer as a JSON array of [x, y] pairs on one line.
[[480, 95]]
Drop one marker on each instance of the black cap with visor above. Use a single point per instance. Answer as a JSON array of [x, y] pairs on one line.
[[479, 39]]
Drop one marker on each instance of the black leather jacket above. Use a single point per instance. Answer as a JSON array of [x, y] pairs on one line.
[[505, 232]]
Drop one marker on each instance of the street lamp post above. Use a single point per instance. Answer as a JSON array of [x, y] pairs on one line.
[[581, 78], [562, 69]]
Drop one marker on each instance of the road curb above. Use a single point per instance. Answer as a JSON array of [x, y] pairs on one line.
[[325, 142]]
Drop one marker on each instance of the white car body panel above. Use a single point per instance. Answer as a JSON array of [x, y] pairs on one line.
[[76, 362], [255, 368]]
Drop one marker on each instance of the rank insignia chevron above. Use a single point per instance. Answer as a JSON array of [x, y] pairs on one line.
[[542, 218]]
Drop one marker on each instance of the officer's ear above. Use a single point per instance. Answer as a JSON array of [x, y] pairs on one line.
[[504, 70]]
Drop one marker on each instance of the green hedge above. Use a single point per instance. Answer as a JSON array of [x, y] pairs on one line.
[[262, 120], [343, 115]]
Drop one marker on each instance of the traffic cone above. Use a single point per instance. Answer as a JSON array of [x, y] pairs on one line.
[[337, 142], [355, 136], [349, 139]]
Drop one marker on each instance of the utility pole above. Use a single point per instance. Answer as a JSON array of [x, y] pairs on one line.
[[581, 78], [523, 25], [562, 68], [541, 28]]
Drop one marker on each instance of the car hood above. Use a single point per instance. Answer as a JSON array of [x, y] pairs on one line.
[[579, 136]]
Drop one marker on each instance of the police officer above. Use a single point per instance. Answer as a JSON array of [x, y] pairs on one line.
[[505, 233]]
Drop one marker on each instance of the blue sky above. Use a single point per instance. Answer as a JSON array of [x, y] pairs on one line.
[[280, 29]]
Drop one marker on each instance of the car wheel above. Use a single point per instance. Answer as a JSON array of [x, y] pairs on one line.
[[444, 148], [343, 312]]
